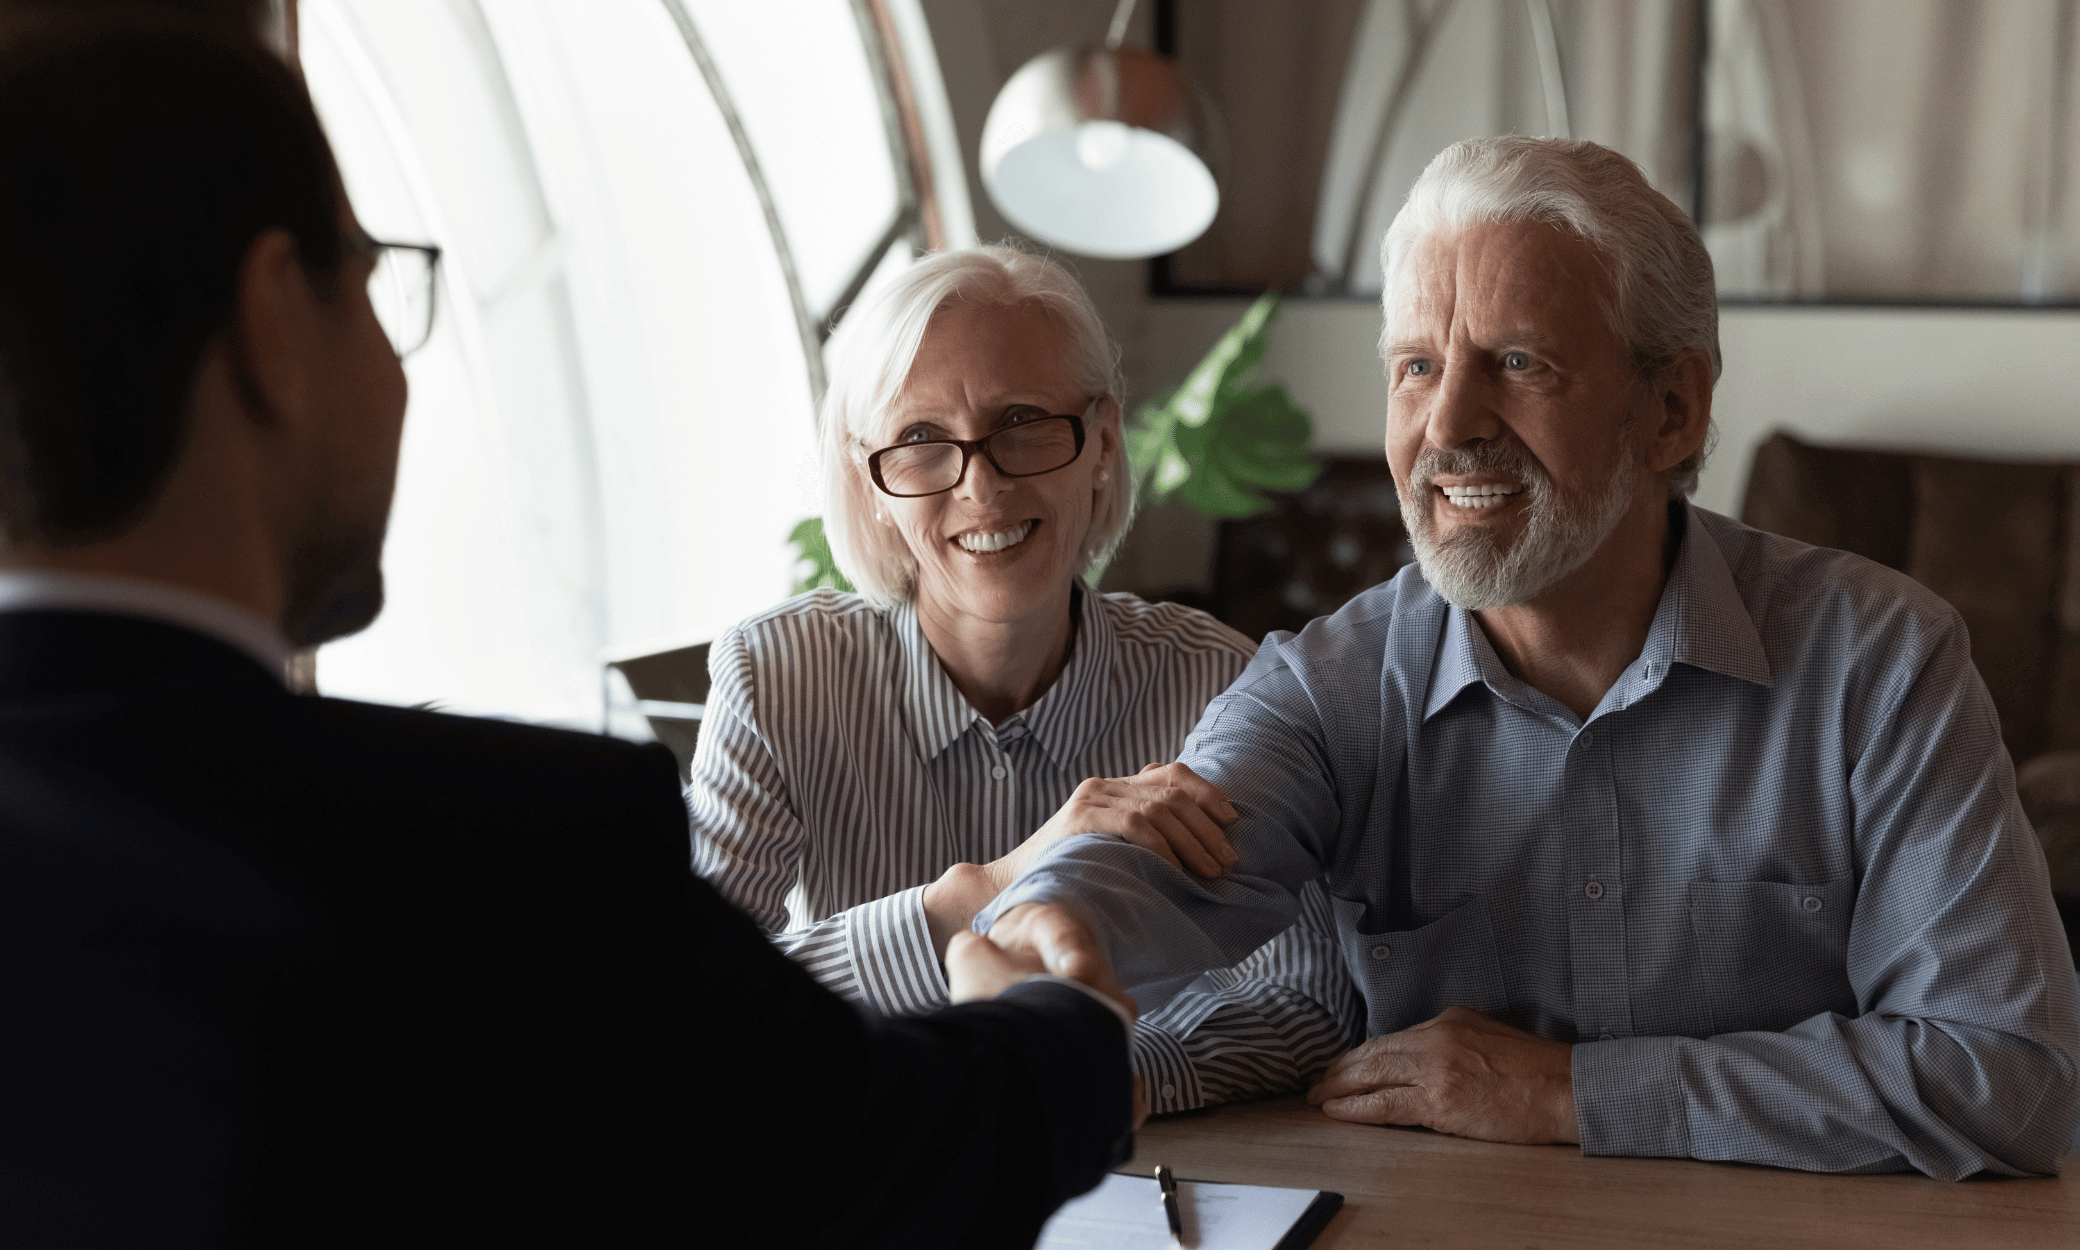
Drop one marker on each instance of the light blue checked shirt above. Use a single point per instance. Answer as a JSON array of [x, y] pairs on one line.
[[1777, 888]]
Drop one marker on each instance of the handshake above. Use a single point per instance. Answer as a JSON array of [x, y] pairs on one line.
[[1033, 938]]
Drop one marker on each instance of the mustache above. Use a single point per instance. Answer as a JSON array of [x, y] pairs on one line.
[[1486, 456]]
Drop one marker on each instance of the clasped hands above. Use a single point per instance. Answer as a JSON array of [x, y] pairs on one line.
[[1038, 938]]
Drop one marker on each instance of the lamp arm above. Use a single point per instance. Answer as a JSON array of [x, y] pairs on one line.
[[1116, 34]]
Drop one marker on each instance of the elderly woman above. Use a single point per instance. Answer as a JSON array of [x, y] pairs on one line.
[[875, 767]]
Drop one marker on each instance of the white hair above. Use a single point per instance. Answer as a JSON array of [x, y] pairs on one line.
[[1666, 301], [871, 360]]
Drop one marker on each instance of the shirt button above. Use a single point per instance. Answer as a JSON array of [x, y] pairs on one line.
[[1606, 1037], [1382, 951], [1169, 1090], [997, 772], [1588, 740], [1811, 903], [1594, 889]]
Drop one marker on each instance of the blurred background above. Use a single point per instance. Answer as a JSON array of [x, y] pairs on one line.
[[656, 213]]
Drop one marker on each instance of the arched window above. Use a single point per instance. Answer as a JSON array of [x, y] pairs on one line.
[[654, 212]]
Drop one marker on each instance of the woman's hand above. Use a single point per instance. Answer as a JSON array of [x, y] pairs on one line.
[[1166, 808]]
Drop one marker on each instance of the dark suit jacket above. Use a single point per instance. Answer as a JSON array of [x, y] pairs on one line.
[[291, 971]]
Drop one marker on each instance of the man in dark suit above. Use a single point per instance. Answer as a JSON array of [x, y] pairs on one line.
[[284, 970]]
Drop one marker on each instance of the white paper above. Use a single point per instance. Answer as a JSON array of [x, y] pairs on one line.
[[1126, 1213]]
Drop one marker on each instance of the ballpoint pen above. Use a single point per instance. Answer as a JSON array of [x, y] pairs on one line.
[[1167, 1182]]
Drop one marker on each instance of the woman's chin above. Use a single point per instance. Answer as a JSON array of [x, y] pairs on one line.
[[999, 585]]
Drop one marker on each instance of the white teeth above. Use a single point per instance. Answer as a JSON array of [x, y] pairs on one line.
[[1479, 496], [995, 542]]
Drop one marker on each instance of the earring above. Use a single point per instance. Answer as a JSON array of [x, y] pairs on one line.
[[1104, 476]]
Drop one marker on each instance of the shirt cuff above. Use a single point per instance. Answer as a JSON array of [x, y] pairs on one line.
[[1168, 1080], [1628, 1097], [891, 945], [1119, 1013]]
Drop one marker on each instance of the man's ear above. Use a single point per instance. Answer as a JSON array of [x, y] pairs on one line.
[[274, 326], [1682, 412]]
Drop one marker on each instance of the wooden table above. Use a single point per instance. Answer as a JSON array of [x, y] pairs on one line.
[[1409, 1187]]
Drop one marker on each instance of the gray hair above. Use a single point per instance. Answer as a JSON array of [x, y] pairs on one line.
[[1666, 301], [870, 362]]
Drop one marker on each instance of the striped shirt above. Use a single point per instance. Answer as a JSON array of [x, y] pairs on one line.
[[839, 771], [1776, 888]]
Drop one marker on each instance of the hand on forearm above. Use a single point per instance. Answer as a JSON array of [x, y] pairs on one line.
[[1460, 1073], [1165, 808]]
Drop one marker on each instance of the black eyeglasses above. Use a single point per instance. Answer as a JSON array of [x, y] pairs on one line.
[[1028, 449], [402, 288]]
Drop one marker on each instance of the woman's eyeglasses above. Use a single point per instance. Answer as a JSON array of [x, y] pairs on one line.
[[932, 467], [402, 288]]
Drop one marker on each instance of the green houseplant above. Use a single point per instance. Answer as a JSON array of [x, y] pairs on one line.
[[1221, 438]]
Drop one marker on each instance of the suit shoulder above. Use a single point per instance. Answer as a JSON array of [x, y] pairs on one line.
[[413, 740]]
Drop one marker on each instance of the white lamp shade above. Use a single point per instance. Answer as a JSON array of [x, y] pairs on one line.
[[1094, 152]]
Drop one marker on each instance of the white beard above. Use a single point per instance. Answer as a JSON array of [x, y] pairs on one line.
[[1472, 568]]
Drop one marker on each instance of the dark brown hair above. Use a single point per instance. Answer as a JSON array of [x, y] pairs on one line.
[[140, 156]]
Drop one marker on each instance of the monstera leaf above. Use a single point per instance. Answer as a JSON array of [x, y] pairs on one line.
[[814, 550], [1219, 439]]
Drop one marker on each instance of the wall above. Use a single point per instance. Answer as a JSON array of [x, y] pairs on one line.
[[1993, 383]]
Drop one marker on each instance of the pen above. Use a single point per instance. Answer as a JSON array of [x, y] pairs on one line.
[[1168, 1184]]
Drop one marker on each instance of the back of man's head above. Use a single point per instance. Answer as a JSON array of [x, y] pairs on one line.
[[144, 154]]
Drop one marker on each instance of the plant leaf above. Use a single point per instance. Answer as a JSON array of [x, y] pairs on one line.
[[1237, 352], [814, 550]]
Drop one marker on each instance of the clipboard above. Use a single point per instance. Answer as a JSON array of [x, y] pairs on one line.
[[1125, 1212]]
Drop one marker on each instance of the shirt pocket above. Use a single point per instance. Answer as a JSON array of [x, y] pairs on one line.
[[1772, 953], [1410, 975]]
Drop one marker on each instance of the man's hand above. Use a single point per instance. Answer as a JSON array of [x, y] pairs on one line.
[[1040, 937], [1167, 808], [1461, 1073]]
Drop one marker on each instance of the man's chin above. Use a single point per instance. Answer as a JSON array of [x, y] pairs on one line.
[[342, 600]]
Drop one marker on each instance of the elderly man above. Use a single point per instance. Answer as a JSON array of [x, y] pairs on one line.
[[1643, 829]]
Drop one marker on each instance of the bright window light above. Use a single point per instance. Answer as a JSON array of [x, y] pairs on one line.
[[611, 431]]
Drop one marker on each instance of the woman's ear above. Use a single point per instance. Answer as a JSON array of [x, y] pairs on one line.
[[1107, 431]]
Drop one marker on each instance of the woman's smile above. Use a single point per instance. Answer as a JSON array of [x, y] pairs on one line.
[[981, 542]]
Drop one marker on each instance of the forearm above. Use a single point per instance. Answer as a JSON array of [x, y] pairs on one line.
[[1161, 926], [1270, 1025], [878, 954], [1873, 1094]]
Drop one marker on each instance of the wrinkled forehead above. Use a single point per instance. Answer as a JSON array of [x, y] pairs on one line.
[[1515, 271]]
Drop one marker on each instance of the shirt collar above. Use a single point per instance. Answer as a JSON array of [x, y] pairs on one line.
[[1701, 621], [1053, 718], [127, 596], [939, 713]]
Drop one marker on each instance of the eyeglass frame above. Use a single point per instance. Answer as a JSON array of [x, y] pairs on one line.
[[374, 248], [969, 446]]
